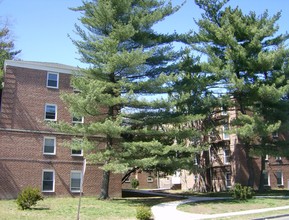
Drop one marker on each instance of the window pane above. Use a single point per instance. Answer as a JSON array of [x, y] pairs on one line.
[[279, 178], [48, 176], [47, 184], [75, 181], [228, 179], [76, 152], [266, 179], [50, 112], [76, 119], [49, 145], [52, 80], [225, 132]]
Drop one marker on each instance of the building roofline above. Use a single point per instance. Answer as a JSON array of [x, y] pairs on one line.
[[46, 66]]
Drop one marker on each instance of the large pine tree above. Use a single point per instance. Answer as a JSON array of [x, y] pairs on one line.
[[249, 61], [125, 89]]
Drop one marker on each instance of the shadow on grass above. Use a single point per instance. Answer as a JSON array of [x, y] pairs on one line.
[[146, 201], [39, 208]]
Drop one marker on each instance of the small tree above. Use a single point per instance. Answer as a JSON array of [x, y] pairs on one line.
[[134, 183], [28, 197]]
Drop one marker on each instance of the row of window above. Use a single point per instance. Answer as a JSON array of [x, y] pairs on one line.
[[49, 147], [48, 181], [278, 175], [51, 114]]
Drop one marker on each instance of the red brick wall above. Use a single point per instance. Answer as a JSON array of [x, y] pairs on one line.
[[21, 160]]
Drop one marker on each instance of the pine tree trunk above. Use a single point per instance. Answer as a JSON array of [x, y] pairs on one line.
[[261, 183], [104, 194]]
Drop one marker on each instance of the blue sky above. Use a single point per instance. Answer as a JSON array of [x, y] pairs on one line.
[[40, 27]]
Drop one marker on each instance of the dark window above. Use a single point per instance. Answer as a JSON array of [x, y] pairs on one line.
[[50, 112], [48, 181], [49, 145], [52, 80], [75, 181]]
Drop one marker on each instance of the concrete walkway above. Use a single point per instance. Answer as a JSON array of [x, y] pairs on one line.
[[165, 211]]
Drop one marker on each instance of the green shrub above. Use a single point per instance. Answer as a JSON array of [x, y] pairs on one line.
[[242, 192], [134, 183], [143, 213], [28, 197]]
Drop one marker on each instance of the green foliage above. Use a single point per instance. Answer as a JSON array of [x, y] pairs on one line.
[[6, 49], [143, 213], [124, 92], [28, 197], [134, 183], [240, 192], [248, 62]]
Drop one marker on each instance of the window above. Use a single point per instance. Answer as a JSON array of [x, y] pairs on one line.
[[196, 178], [275, 135], [52, 80], [50, 112], [77, 120], [75, 181], [224, 111], [279, 177], [227, 153], [150, 179], [76, 143], [76, 152], [49, 145], [48, 181], [225, 132], [278, 158], [196, 159], [266, 178], [228, 180]]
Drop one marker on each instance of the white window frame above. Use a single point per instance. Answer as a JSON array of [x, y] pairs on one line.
[[226, 135], [265, 172], [81, 151], [47, 80], [282, 183], [150, 179], [77, 121], [46, 153], [226, 157], [49, 119], [53, 184], [278, 158], [227, 180], [223, 111], [80, 173]]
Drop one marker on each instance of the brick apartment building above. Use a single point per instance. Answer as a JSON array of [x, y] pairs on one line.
[[225, 164], [31, 152]]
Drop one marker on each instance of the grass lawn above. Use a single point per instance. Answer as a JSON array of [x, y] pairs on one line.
[[224, 206], [66, 208]]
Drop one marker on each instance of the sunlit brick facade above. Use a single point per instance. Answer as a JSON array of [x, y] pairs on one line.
[[32, 154]]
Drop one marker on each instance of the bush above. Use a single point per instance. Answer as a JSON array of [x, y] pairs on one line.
[[242, 192], [134, 183], [28, 197], [143, 213]]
